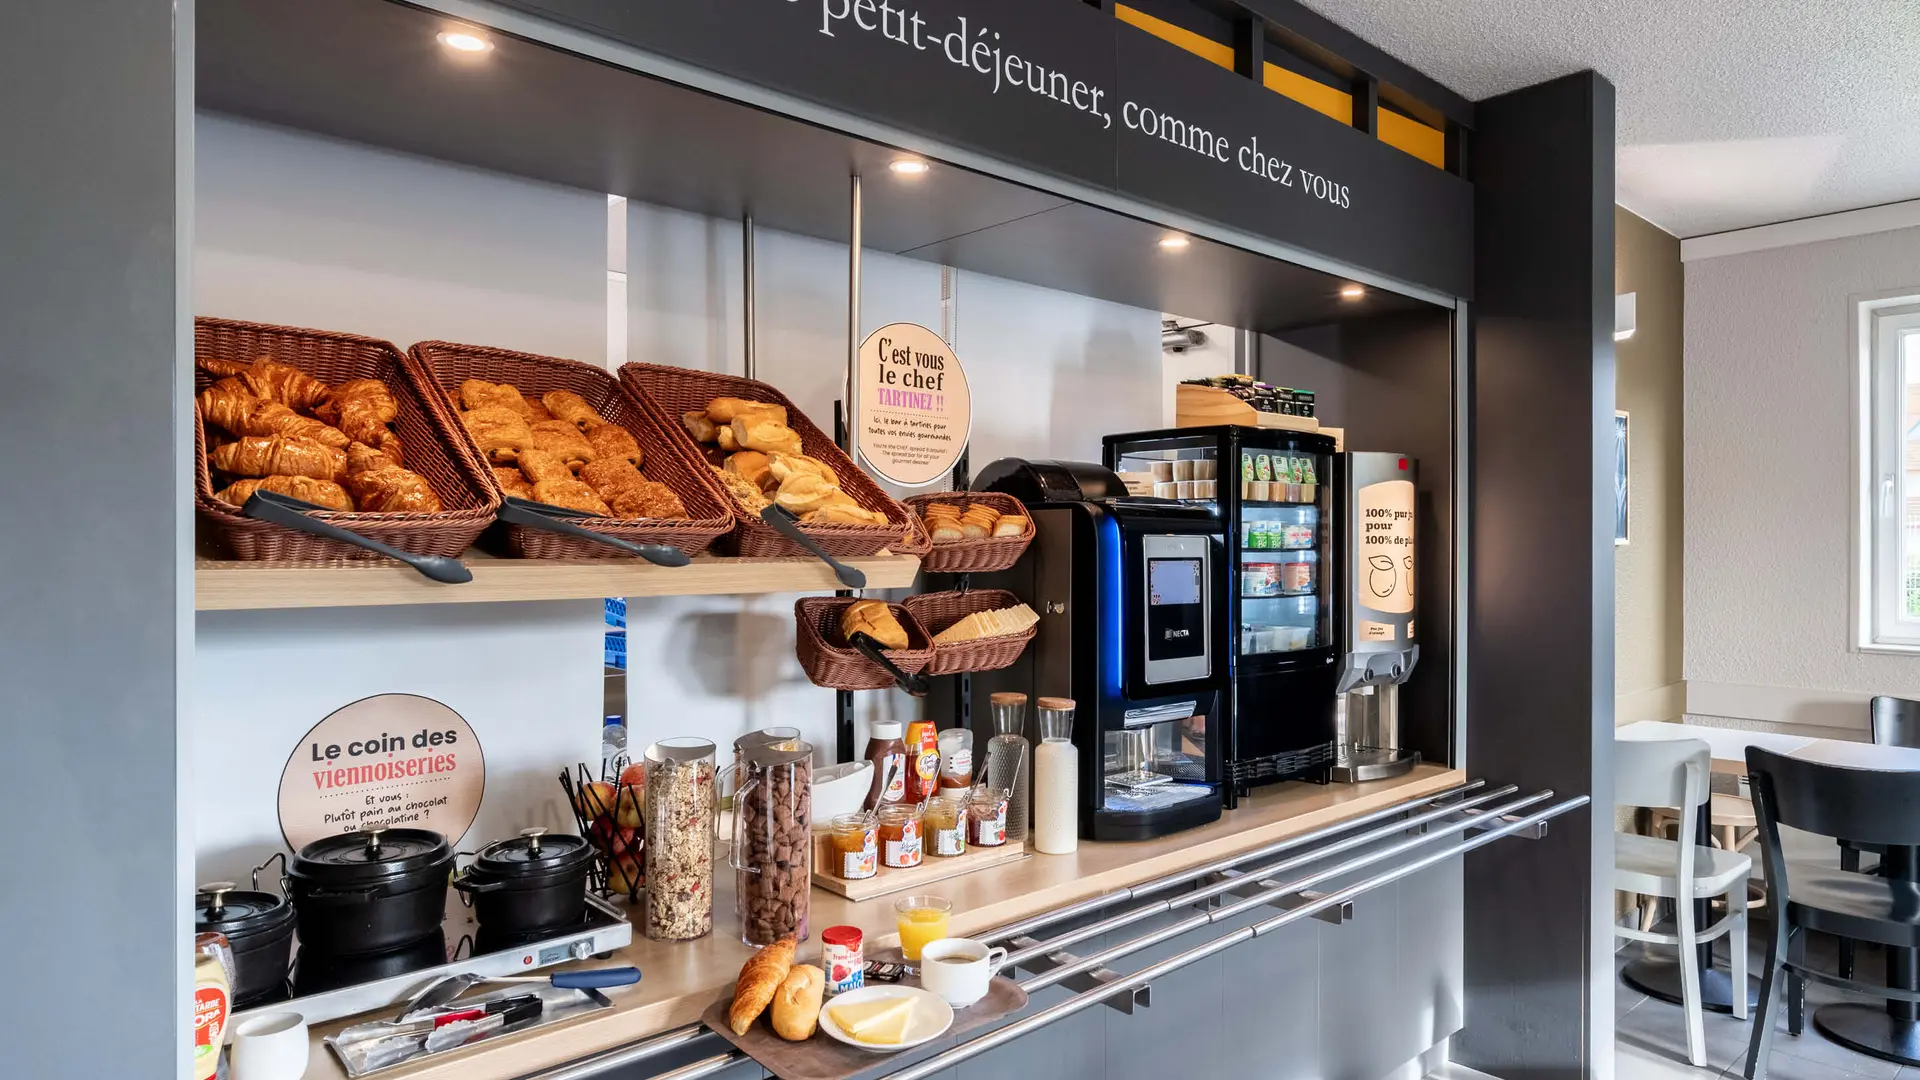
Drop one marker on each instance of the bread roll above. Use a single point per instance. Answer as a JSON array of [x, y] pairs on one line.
[[760, 979], [804, 493], [796, 1005], [723, 437], [1010, 525], [843, 513], [698, 426]]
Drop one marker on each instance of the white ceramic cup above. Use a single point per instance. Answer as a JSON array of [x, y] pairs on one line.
[[959, 969], [270, 1046]]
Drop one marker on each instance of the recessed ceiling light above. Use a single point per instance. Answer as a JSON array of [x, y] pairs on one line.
[[1352, 292], [465, 41], [1174, 242], [909, 167]]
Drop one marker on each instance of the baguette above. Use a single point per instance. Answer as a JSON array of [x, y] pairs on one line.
[[796, 1006], [760, 979]]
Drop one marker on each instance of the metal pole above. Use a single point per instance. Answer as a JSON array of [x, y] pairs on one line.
[[853, 322], [601, 1064], [752, 337], [941, 1062]]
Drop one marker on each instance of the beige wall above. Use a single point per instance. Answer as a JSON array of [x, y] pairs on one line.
[[1647, 571], [1770, 490]]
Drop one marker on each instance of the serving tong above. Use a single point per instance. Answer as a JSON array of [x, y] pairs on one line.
[[559, 519], [298, 514]]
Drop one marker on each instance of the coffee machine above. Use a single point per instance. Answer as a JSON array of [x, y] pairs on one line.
[[1131, 597]]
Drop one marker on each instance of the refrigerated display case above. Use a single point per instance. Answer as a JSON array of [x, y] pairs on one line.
[[1274, 492]]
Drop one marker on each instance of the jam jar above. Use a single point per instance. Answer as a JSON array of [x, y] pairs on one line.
[[900, 835], [987, 816], [856, 846]]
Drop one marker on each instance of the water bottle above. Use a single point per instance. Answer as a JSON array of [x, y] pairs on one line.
[[613, 749]]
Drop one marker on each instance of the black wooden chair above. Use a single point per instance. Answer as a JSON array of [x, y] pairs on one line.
[[1869, 806], [1896, 722]]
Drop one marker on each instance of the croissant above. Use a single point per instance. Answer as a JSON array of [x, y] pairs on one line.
[[534, 410], [614, 441], [646, 499], [364, 458], [280, 455], [271, 380], [393, 490], [513, 482], [562, 438], [227, 404], [605, 475], [499, 431], [571, 407], [754, 431], [760, 977], [570, 494], [318, 492], [362, 408], [542, 465], [480, 394], [726, 409]]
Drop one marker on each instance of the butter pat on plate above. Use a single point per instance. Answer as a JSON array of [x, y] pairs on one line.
[[886, 1019]]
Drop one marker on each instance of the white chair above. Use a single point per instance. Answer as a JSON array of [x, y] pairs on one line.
[[1673, 774]]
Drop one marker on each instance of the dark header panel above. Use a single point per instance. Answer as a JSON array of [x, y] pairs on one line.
[[1067, 90]]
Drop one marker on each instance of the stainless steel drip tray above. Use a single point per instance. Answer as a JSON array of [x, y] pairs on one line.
[[1156, 797]]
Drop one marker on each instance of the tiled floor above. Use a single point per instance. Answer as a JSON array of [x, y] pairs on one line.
[[1651, 1035]]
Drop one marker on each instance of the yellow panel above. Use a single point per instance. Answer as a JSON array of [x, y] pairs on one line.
[[1427, 144], [1203, 47], [1312, 93]]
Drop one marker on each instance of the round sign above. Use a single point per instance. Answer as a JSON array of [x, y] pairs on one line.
[[916, 411], [385, 761]]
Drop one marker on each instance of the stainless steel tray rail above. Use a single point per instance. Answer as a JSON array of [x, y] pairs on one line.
[[1490, 824]]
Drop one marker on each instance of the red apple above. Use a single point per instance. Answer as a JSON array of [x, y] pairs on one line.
[[630, 813], [624, 876], [594, 800], [634, 776], [610, 838]]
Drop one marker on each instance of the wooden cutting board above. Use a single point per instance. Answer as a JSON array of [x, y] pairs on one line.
[[823, 1058], [890, 880]]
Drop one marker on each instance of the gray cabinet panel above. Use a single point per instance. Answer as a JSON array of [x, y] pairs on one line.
[[1270, 1003], [1360, 1004], [1070, 1049]]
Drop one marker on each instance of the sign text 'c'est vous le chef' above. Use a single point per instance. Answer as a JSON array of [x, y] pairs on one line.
[[1066, 89]]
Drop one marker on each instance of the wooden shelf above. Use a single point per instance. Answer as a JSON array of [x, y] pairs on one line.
[[266, 586]]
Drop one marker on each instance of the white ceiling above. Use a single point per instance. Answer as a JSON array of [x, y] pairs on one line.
[[1731, 113]]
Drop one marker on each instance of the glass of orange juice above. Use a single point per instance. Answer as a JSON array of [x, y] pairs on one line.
[[921, 920]]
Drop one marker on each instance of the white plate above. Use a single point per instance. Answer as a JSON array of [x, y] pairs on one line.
[[931, 1017]]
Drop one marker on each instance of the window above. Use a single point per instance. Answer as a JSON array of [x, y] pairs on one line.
[[1890, 349]]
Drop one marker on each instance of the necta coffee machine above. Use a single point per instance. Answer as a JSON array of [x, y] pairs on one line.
[[1131, 596]]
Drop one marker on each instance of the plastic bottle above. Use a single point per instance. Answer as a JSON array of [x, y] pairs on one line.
[[613, 748]]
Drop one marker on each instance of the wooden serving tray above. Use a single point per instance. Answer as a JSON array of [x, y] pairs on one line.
[[890, 880], [1204, 406], [823, 1058]]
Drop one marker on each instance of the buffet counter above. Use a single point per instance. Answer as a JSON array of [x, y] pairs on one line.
[[680, 979]]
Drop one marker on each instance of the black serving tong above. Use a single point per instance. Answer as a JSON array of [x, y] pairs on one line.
[[559, 519], [297, 514], [787, 525], [869, 648]]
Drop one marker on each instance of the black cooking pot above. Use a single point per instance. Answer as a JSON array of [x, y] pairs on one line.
[[370, 891], [259, 926], [531, 883]]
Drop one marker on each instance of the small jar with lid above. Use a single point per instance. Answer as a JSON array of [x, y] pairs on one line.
[[900, 835], [987, 816], [856, 846], [946, 826]]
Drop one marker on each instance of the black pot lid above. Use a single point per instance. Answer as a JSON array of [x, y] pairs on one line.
[[371, 855], [219, 908], [534, 851]]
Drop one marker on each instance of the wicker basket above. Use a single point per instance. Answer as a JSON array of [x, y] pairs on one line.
[[672, 392], [434, 446], [982, 556], [937, 611], [830, 662], [709, 512]]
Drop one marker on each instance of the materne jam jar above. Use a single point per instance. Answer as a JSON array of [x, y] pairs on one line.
[[842, 955]]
